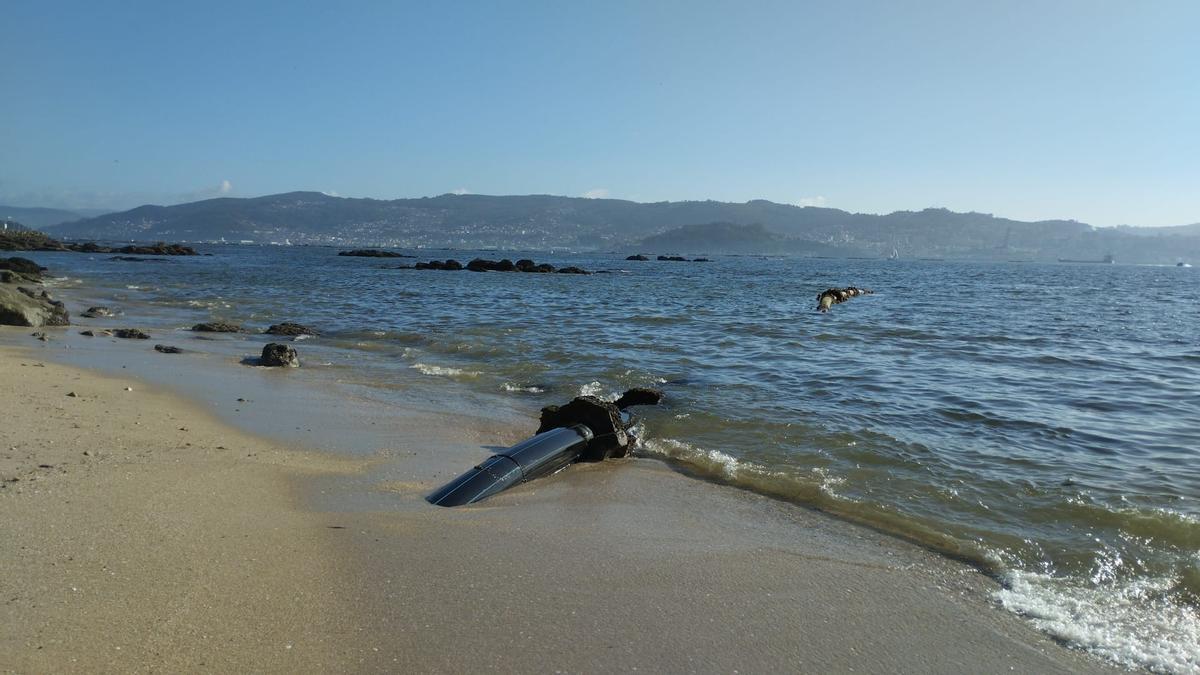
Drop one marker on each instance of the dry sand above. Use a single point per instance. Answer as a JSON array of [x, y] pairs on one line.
[[178, 543]]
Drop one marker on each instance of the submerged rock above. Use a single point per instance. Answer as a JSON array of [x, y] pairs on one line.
[[638, 396], [277, 355], [87, 333], [131, 258], [217, 327], [572, 270], [167, 349], [639, 256], [673, 258], [291, 329], [131, 334], [373, 253], [97, 312]]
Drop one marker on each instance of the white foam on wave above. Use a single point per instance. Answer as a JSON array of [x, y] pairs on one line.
[[710, 459], [427, 369], [524, 388], [1130, 622], [596, 389]]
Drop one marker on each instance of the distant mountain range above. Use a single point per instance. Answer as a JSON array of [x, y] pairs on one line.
[[544, 222], [38, 217]]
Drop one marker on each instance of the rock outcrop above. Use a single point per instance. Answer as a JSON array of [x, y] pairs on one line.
[[96, 312], [603, 418], [131, 334], [167, 349], [276, 355], [637, 257], [22, 266], [32, 240], [25, 306]]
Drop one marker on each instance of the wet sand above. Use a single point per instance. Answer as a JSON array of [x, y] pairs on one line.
[[180, 542]]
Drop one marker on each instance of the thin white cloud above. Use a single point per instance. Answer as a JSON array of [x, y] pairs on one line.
[[460, 191], [225, 187], [596, 193], [812, 201]]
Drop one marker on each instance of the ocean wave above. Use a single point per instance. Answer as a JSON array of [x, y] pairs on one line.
[[712, 460], [444, 371], [523, 388], [1133, 623]]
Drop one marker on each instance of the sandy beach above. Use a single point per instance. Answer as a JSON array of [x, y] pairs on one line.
[[143, 532]]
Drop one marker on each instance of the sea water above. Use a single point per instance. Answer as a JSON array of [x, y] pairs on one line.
[[1041, 421]]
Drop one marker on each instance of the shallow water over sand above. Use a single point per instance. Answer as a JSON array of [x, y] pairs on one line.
[[1040, 420]]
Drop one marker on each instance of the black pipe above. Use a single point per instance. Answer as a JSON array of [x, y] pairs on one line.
[[541, 455]]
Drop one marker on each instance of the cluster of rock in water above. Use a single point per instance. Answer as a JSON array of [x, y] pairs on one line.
[[833, 296], [505, 265], [667, 258]]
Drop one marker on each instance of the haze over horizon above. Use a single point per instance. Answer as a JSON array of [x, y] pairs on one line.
[[1031, 111]]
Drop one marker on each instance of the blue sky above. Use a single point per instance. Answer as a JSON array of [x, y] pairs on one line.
[[1086, 110]]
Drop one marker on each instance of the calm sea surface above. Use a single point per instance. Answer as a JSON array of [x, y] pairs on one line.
[[1042, 421]]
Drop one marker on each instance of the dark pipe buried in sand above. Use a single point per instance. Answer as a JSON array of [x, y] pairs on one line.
[[562, 440]]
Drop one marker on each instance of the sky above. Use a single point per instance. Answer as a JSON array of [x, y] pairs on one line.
[[1087, 110]]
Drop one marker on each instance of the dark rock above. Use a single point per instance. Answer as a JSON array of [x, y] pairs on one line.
[[602, 417], [289, 328], [525, 265], [505, 265], [41, 336], [673, 258], [131, 334], [637, 257], [96, 312], [217, 327], [167, 349], [276, 355], [701, 260], [638, 396], [131, 258], [481, 265], [373, 253], [22, 265], [91, 247], [544, 268], [11, 277], [833, 296], [159, 248], [87, 333], [572, 270], [450, 265]]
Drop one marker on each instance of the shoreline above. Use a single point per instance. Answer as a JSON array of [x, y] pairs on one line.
[[627, 564]]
